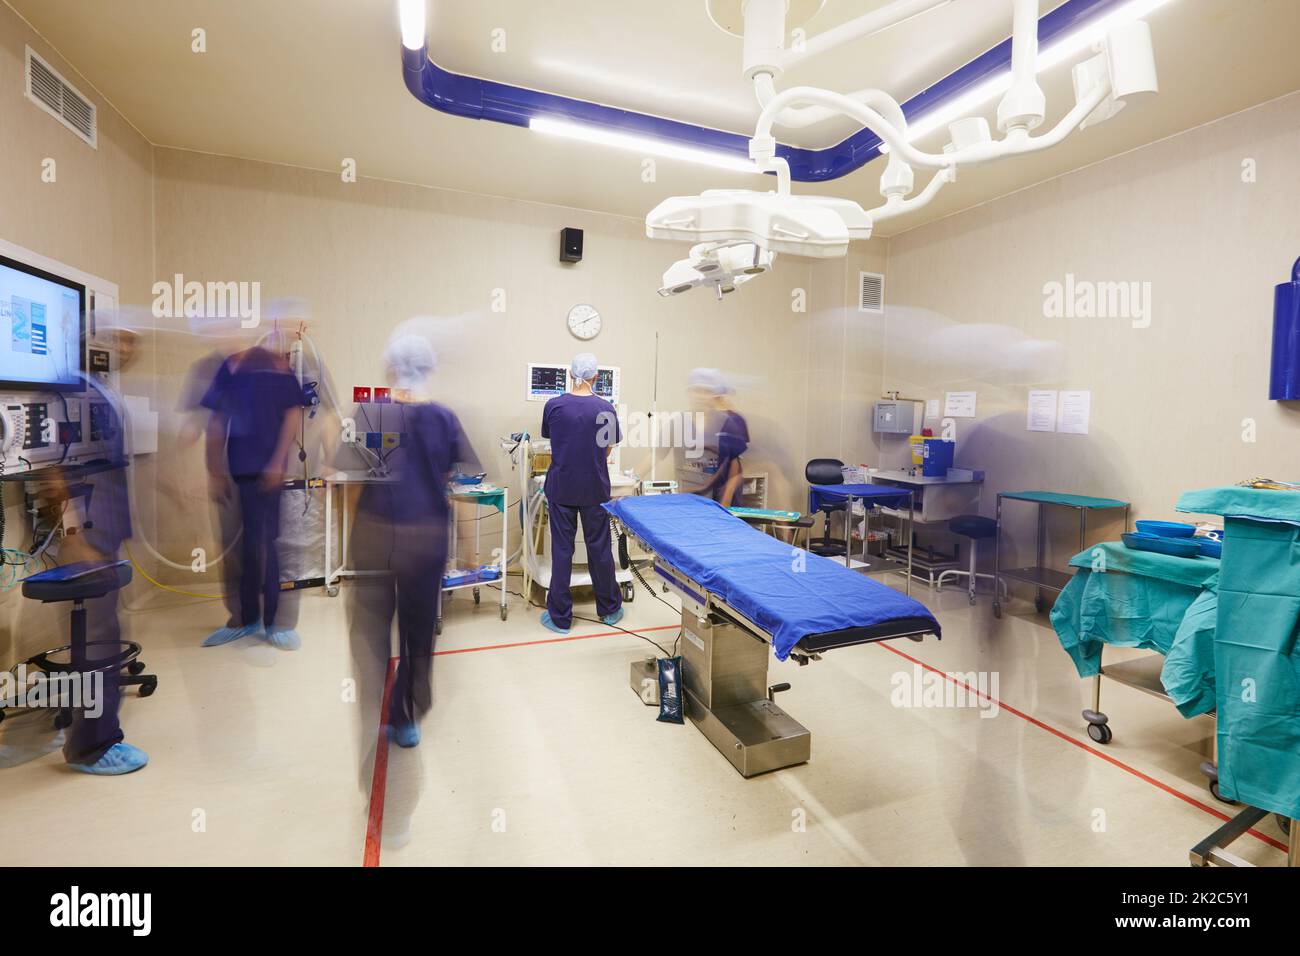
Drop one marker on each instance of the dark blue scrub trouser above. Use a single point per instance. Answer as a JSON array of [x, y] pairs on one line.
[[89, 737], [259, 562], [600, 560]]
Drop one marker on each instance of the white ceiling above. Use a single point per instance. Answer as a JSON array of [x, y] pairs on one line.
[[312, 82]]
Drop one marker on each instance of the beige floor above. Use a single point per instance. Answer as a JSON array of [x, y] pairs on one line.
[[540, 753]]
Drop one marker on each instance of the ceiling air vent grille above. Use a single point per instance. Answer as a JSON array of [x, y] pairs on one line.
[[871, 292], [52, 93]]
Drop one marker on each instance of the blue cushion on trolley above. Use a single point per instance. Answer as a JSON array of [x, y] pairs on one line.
[[973, 526], [77, 582]]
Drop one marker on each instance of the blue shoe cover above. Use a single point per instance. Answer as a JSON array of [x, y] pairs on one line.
[[612, 619], [406, 735], [285, 638], [228, 635], [551, 625], [118, 759]]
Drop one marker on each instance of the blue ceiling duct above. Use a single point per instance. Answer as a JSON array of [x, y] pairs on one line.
[[475, 98]]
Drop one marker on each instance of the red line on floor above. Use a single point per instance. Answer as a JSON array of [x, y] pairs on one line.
[[379, 778], [554, 640], [1082, 746]]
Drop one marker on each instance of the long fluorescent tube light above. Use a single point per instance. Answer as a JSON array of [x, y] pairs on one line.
[[1054, 55], [640, 144], [411, 14]]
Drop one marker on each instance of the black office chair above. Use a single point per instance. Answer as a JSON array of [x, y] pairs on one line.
[[827, 471], [80, 583]]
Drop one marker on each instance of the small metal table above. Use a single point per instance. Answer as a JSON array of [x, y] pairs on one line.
[[870, 495], [1044, 578]]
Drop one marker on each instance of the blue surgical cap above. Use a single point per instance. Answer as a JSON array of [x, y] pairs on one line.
[[411, 358], [583, 367]]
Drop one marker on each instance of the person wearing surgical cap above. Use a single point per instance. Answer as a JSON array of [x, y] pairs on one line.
[[402, 528], [727, 437], [583, 429]]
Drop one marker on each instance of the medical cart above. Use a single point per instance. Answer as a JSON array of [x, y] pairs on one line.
[[937, 499], [474, 576], [1041, 577], [341, 480], [871, 496]]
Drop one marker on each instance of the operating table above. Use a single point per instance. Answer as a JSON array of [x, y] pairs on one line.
[[742, 591]]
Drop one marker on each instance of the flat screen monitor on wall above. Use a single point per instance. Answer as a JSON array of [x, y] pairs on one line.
[[42, 329]]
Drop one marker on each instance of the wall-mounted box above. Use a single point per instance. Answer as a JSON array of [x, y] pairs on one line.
[[895, 418]]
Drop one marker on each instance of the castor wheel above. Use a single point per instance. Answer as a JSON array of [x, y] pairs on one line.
[[628, 592], [505, 612], [1284, 823], [1039, 605], [997, 610], [2, 715], [476, 596], [1218, 794], [332, 590], [148, 687], [135, 667], [62, 719], [437, 629], [1100, 733]]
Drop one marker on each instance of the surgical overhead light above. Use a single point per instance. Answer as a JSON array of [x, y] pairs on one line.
[[411, 14], [722, 266], [645, 145], [1123, 65]]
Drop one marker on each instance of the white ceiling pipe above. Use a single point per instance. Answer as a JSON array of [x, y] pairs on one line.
[[863, 26], [1025, 104], [1018, 141], [898, 179], [897, 206]]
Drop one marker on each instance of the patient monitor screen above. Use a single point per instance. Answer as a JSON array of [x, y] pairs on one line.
[[41, 328]]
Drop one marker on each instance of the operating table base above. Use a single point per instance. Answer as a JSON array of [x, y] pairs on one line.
[[724, 668], [756, 736]]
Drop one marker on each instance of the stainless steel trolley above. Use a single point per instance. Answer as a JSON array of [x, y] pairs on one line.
[[1041, 577]]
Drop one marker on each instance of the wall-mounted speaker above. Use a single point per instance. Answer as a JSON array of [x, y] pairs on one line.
[[570, 245]]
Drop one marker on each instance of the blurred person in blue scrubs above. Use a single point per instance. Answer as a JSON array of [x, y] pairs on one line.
[[402, 531], [583, 429], [726, 437], [256, 411], [96, 744]]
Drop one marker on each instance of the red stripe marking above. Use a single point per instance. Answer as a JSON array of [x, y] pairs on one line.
[[379, 778], [1082, 746]]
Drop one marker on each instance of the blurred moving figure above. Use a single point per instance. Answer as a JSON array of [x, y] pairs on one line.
[[96, 745], [726, 437], [402, 527], [256, 407], [583, 429]]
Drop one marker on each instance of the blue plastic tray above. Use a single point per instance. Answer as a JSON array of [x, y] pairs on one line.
[[1166, 529], [1178, 547]]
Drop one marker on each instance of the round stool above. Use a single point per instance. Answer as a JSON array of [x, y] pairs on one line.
[[976, 528]]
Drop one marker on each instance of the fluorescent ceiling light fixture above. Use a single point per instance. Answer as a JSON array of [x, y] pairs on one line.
[[412, 14], [640, 144], [1062, 50]]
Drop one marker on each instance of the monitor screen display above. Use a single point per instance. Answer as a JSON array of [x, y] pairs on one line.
[[42, 328]]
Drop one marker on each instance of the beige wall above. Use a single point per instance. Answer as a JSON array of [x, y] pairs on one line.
[[370, 254], [96, 217], [966, 311]]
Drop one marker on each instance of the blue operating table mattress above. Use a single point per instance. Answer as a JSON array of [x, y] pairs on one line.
[[794, 596]]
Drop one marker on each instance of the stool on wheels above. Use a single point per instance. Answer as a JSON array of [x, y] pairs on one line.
[[79, 583], [976, 528]]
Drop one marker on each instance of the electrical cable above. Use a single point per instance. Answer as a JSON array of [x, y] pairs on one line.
[[145, 574]]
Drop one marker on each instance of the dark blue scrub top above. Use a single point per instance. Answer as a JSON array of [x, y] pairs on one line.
[[253, 390], [433, 446], [582, 429]]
